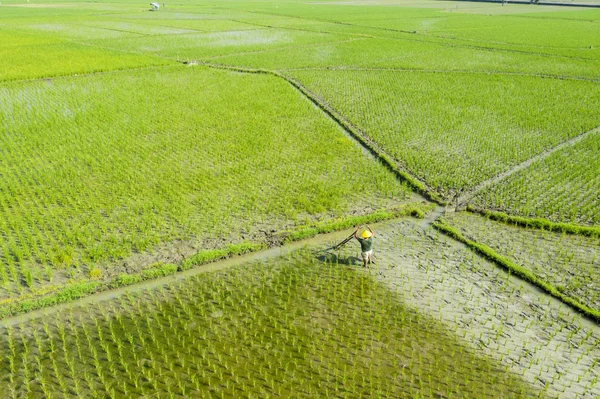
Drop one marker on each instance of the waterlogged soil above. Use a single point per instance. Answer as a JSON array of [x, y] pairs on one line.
[[530, 333], [569, 262], [294, 326]]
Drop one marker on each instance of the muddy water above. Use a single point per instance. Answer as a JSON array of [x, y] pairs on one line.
[[437, 213], [550, 345]]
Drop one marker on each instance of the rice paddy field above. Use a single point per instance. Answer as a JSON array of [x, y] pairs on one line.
[[173, 183]]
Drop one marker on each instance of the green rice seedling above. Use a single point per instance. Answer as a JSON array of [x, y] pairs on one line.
[[546, 258], [28, 277], [290, 322], [561, 187], [74, 240], [373, 118]]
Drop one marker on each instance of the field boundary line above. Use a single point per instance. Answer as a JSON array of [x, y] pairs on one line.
[[536, 223], [175, 61], [520, 271], [272, 50], [366, 142], [82, 75], [429, 38], [449, 71], [443, 35], [93, 291], [304, 29], [171, 26], [418, 184], [542, 3], [463, 199], [466, 43]]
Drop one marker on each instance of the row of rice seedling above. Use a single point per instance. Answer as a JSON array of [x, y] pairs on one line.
[[553, 348], [48, 60], [190, 47], [77, 32], [330, 12], [383, 53], [513, 30], [568, 262], [83, 36], [563, 187], [294, 327], [456, 130], [12, 39], [175, 26], [99, 168], [458, 25], [39, 41], [449, 53]]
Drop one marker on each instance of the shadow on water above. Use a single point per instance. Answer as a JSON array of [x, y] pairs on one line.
[[330, 257]]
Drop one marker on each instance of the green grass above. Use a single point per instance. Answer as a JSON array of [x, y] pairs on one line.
[[49, 295], [520, 271], [102, 167], [537, 223], [293, 327], [416, 210]]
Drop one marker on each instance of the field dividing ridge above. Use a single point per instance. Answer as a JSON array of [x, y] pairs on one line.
[[448, 71], [566, 263], [362, 139], [519, 271], [72, 217], [454, 131], [463, 199], [187, 191]]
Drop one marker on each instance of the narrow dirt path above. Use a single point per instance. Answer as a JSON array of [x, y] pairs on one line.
[[462, 200]]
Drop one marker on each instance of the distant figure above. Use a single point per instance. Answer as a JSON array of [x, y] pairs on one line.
[[366, 244], [155, 6]]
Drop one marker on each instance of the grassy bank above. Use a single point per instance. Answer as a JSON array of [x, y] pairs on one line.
[[83, 288], [517, 270], [537, 223]]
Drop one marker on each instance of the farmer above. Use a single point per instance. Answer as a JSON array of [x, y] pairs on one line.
[[366, 244]]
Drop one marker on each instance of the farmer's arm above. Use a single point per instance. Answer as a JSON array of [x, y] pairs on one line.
[[356, 232], [371, 230]]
